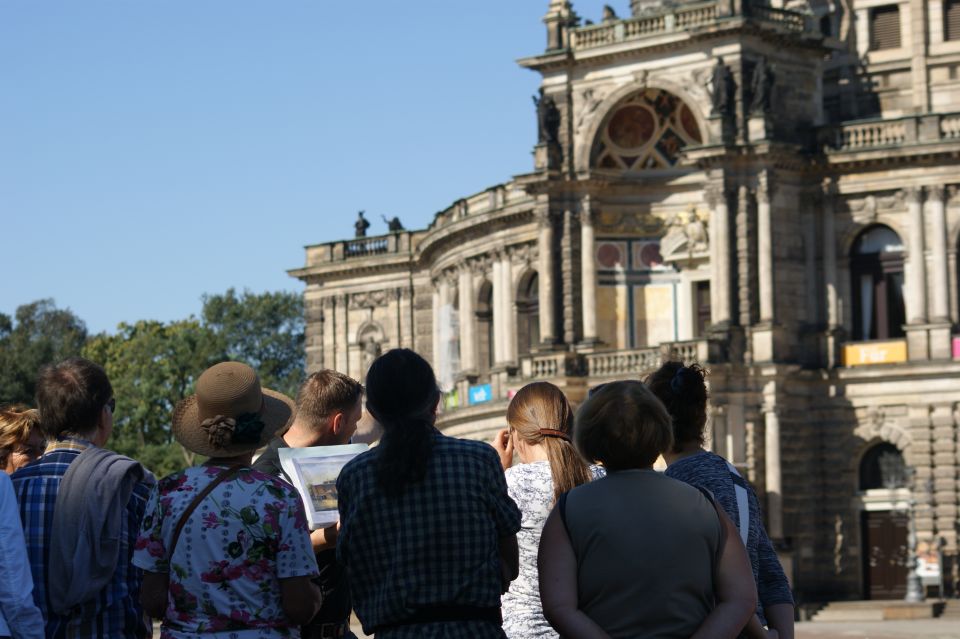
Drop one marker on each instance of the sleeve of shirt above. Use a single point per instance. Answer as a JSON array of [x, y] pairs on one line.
[[772, 585], [506, 514], [150, 550], [22, 616], [295, 557]]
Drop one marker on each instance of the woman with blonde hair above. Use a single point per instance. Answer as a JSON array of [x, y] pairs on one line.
[[540, 429], [21, 441]]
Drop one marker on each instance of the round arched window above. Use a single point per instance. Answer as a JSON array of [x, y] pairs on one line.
[[876, 267], [883, 467], [648, 130]]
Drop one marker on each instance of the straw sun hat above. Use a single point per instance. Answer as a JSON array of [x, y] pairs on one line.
[[230, 414]]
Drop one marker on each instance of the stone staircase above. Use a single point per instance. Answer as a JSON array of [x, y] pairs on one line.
[[951, 610], [879, 610]]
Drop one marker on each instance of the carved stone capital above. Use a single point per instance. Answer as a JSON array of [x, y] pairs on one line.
[[936, 193], [764, 189], [913, 194], [715, 195]]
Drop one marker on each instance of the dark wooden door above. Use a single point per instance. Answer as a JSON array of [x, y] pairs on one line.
[[885, 554]]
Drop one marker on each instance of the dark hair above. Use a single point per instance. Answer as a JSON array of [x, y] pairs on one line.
[[402, 395], [70, 396], [683, 390], [623, 425], [542, 405], [326, 393]]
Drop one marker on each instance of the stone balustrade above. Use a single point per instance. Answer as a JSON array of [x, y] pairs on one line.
[[623, 363], [675, 19], [865, 135], [360, 247]]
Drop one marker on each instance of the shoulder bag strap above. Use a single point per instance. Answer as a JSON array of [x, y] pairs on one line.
[[219, 479]]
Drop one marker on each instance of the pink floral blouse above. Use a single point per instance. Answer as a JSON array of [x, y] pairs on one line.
[[248, 533]]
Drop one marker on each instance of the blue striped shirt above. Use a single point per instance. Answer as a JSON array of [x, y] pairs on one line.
[[733, 492], [117, 612]]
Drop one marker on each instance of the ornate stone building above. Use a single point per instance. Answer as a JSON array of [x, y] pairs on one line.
[[769, 190]]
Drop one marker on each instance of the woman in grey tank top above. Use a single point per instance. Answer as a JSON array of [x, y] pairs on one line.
[[637, 553]]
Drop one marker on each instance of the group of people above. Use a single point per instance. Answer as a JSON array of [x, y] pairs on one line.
[[558, 527]]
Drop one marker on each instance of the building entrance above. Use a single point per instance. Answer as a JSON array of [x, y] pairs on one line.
[[885, 554]]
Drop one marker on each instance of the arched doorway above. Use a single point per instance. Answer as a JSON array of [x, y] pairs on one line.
[[876, 269], [884, 521]]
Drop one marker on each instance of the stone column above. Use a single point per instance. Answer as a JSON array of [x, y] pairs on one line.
[[498, 310], [588, 273], [765, 251], [343, 348], [773, 473], [830, 257], [720, 281], [545, 273], [916, 284], [509, 316], [435, 359], [468, 319], [940, 304]]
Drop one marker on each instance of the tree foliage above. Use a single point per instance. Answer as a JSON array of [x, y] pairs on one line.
[[40, 333], [152, 365], [264, 330]]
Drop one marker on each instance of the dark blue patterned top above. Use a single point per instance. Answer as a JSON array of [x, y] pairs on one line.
[[713, 472], [434, 545]]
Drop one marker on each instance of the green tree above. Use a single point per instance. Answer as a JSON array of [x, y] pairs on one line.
[[152, 366], [39, 334], [264, 330]]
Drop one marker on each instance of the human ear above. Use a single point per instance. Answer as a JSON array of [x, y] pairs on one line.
[[336, 423]]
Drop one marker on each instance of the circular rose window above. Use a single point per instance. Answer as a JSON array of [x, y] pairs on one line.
[[631, 127], [609, 255]]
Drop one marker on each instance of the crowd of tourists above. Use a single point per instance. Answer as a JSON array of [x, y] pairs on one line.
[[560, 527]]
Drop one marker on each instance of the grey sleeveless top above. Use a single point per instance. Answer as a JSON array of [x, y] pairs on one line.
[[646, 546]]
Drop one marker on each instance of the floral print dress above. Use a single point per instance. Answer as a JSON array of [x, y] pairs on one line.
[[248, 533]]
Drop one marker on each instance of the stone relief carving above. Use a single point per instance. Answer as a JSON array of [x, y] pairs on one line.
[[686, 234], [869, 208], [633, 221], [369, 299], [590, 100]]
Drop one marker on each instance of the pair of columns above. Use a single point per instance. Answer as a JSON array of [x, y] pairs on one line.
[[918, 310], [722, 245]]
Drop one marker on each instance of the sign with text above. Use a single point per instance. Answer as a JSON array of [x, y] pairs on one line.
[[480, 394], [869, 353]]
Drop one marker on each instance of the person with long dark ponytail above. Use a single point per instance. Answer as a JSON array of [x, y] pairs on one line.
[[683, 390], [541, 427], [427, 529]]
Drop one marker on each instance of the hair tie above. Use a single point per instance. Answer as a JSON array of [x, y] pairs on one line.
[[676, 384], [553, 432]]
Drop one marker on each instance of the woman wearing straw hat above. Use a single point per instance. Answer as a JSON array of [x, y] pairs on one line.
[[224, 548]]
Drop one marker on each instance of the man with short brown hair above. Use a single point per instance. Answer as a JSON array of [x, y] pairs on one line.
[[81, 507], [328, 408]]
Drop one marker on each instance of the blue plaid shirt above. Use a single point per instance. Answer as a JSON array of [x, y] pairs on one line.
[[436, 544], [119, 614]]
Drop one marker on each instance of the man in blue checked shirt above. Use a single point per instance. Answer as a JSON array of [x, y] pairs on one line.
[[81, 507]]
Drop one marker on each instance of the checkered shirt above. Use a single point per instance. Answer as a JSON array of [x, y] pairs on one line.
[[119, 613], [436, 544]]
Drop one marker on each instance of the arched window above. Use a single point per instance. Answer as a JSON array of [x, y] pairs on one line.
[[876, 266], [528, 313], [882, 467], [647, 130], [484, 314]]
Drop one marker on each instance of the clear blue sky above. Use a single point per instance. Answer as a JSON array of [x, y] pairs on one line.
[[152, 151]]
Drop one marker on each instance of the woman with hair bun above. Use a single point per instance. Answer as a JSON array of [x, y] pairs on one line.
[[540, 429], [683, 390], [427, 532]]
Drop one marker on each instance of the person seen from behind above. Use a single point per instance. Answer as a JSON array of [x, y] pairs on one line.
[[225, 548], [540, 422], [683, 390], [428, 531], [20, 444], [668, 565], [329, 405], [81, 507]]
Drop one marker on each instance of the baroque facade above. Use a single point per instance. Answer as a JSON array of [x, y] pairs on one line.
[[768, 189]]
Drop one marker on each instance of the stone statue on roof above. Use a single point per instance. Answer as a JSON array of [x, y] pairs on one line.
[[394, 225], [361, 225], [724, 88], [548, 119]]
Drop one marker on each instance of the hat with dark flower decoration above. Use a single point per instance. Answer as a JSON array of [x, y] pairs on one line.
[[230, 414]]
